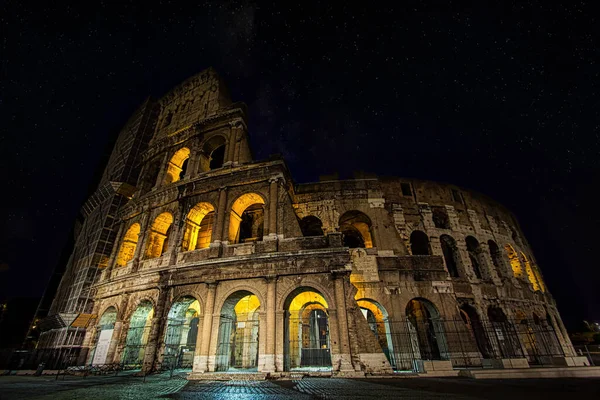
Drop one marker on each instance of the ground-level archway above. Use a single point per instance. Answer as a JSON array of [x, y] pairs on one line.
[[426, 330], [104, 336], [137, 334], [181, 333], [306, 331], [377, 318], [471, 318], [237, 343]]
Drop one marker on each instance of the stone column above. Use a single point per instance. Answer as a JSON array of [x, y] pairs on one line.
[[155, 331], [344, 358], [464, 266], [221, 212], [142, 238], [175, 239], [489, 263], [114, 341], [204, 334], [271, 331], [231, 143], [273, 200]]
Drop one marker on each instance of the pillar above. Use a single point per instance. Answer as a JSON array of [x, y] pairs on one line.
[[273, 200], [218, 235], [114, 341], [343, 358], [269, 360], [142, 238], [155, 330], [233, 131], [204, 335], [175, 239]]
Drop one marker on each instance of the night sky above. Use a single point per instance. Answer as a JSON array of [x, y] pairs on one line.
[[502, 100]]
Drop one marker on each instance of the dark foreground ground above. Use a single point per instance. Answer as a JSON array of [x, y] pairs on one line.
[[161, 387]]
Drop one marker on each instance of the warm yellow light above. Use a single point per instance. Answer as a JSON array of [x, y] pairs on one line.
[[514, 260], [158, 235], [197, 231], [175, 166], [128, 245], [530, 274], [237, 209]]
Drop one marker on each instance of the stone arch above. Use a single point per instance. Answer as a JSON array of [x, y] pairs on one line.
[[440, 217], [128, 245], [378, 319], [471, 318], [246, 218], [513, 257], [238, 340], [198, 227], [181, 332], [475, 257], [158, 237], [177, 166], [451, 255], [212, 155], [419, 244], [104, 335], [284, 294], [311, 226], [306, 330], [149, 177], [503, 335], [133, 305], [356, 227], [138, 333], [241, 287], [111, 304], [426, 330], [529, 272], [496, 256]]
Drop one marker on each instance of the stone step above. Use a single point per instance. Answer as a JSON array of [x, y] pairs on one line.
[[526, 373]]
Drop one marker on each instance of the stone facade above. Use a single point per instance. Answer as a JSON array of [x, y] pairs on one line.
[[216, 261]]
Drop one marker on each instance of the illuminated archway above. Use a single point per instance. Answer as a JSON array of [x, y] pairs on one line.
[[137, 334], [177, 166], [514, 260], [306, 331], [356, 227], [198, 227], [426, 330], [104, 336], [377, 318], [237, 343], [130, 240], [246, 218], [181, 333], [158, 236], [530, 274]]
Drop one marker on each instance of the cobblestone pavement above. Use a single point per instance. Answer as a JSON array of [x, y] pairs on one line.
[[161, 387]]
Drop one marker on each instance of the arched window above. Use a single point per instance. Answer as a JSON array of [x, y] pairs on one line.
[[158, 236], [137, 334], [477, 261], [473, 322], [356, 228], [246, 219], [198, 227], [419, 244], [149, 177], [213, 153], [426, 330], [130, 240], [440, 217], [177, 165], [311, 226], [450, 251], [514, 260], [181, 333], [496, 256], [530, 274]]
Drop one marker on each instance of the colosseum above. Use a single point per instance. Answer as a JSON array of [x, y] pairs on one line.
[[191, 254]]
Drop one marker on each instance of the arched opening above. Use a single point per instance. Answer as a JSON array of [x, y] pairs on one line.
[[513, 257], [496, 256], [311, 226], [104, 335], [150, 176], [426, 330], [127, 250], [450, 252], [177, 166], [419, 244], [181, 333], [530, 274], [538, 277], [213, 154], [356, 228], [477, 261], [503, 335], [246, 219], [440, 217], [137, 334], [306, 331], [377, 318], [237, 344], [471, 318], [158, 237], [198, 227]]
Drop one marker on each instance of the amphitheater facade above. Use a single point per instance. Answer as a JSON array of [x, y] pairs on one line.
[[192, 254]]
